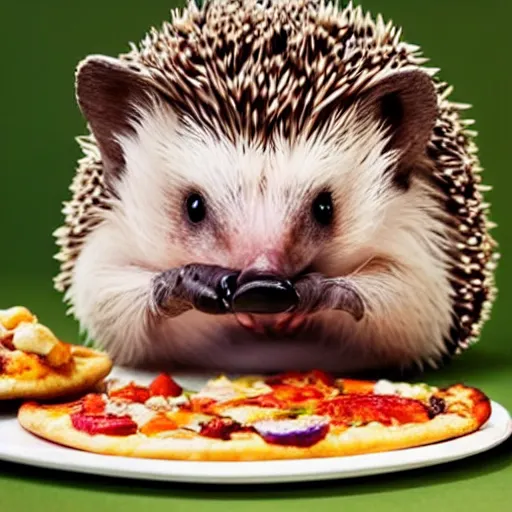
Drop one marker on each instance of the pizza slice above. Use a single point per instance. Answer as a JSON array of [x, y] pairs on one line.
[[35, 364], [288, 416]]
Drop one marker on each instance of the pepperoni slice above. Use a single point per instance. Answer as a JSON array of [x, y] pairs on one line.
[[355, 409], [104, 424]]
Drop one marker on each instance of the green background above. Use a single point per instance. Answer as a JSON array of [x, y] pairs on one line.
[[41, 44]]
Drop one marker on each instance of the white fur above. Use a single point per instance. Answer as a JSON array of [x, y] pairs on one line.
[[408, 296]]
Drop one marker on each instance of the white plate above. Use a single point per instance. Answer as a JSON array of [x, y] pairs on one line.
[[17, 445]]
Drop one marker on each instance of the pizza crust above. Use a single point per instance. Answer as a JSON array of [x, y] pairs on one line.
[[54, 424], [87, 368]]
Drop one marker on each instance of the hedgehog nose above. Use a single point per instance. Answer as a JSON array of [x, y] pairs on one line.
[[263, 293]]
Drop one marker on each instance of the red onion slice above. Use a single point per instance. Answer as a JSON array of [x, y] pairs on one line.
[[303, 432]]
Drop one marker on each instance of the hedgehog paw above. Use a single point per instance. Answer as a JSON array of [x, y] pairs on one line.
[[206, 288], [317, 293]]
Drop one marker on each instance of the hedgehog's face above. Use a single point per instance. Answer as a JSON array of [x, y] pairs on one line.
[[324, 201], [283, 209]]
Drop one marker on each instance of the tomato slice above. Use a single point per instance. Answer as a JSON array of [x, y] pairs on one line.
[[164, 385], [93, 404], [132, 393]]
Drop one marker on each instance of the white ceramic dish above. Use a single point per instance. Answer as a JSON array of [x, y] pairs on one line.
[[17, 445]]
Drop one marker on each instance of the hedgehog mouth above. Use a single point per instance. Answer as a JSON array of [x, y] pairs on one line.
[[272, 325]]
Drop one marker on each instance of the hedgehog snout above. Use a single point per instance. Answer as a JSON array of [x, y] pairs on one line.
[[264, 293], [262, 286]]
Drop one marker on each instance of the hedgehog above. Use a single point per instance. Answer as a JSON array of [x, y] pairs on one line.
[[271, 185]]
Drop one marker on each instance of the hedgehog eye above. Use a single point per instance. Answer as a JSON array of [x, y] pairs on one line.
[[196, 208], [323, 209]]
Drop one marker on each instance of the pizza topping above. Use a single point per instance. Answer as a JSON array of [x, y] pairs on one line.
[[12, 317], [251, 386], [131, 392], [25, 366], [33, 338], [296, 395], [93, 404], [191, 421], [201, 405], [163, 385], [314, 378], [158, 424], [3, 331], [436, 406], [137, 411], [104, 424], [220, 389], [221, 428], [160, 403], [363, 409], [419, 391], [113, 384], [250, 413], [351, 386], [269, 401], [302, 432], [59, 355], [283, 395], [6, 338]]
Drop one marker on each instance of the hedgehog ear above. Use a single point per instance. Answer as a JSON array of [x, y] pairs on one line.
[[107, 91], [406, 102]]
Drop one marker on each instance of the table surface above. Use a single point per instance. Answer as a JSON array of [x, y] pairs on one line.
[[482, 482]]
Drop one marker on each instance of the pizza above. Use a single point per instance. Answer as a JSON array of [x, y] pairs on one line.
[[294, 415], [35, 364]]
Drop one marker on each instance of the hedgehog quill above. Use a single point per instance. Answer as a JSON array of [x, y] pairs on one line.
[[272, 185]]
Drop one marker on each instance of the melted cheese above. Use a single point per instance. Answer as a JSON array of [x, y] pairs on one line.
[[417, 391], [219, 389], [251, 386], [222, 389], [34, 338], [12, 317], [25, 366], [137, 412], [161, 403], [248, 414], [191, 421]]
